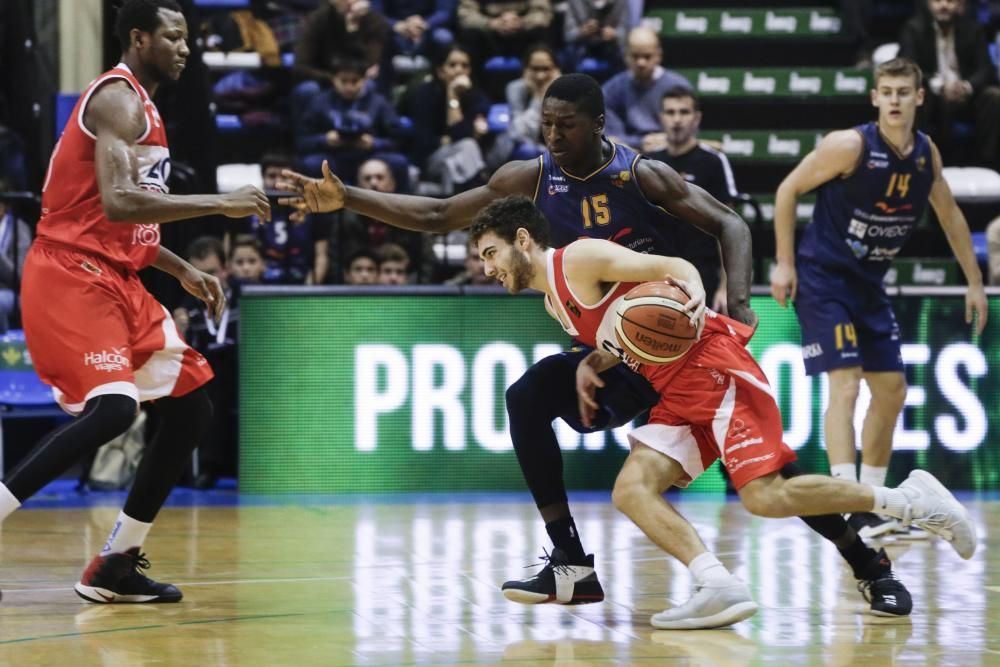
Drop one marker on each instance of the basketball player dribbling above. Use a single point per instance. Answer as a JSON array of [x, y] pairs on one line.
[[874, 182], [587, 186], [94, 333], [702, 396]]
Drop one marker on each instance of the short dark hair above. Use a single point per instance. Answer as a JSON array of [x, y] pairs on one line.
[[505, 216], [391, 252], [358, 254], [205, 246], [245, 241], [581, 90], [900, 67], [141, 14], [277, 159], [352, 61], [439, 54], [680, 92]]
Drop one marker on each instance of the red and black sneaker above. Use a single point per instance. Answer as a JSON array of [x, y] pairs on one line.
[[559, 581], [118, 578]]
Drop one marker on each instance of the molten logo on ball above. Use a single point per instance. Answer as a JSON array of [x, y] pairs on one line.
[[652, 324]]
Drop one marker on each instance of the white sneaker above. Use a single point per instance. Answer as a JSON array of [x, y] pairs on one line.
[[713, 605], [935, 510]]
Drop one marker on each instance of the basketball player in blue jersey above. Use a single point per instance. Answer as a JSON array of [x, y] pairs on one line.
[[874, 182], [587, 186]]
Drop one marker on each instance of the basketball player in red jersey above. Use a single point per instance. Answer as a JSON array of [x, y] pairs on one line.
[[715, 402], [94, 333]]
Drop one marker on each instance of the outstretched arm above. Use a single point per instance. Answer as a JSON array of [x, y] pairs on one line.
[[956, 230], [116, 116], [420, 214], [664, 187], [836, 155]]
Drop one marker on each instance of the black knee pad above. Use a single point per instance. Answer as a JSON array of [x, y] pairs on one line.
[[790, 470], [195, 408]]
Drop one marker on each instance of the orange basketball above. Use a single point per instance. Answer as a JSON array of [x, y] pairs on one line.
[[651, 324]]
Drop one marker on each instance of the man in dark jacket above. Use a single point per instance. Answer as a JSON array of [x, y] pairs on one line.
[[959, 77]]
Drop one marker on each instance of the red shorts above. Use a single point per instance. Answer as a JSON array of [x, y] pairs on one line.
[[719, 405], [93, 329]]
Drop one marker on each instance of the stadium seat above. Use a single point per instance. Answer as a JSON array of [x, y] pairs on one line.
[[594, 66], [972, 183], [22, 393], [498, 118], [884, 53], [503, 64], [228, 122], [233, 176], [64, 107]]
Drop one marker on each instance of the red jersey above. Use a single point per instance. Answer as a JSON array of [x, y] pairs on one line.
[[594, 325], [72, 213]]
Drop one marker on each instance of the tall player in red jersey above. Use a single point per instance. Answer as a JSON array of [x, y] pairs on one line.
[[94, 333], [715, 403]]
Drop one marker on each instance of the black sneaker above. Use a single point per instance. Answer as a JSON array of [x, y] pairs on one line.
[[883, 590], [118, 577], [559, 581], [869, 525]]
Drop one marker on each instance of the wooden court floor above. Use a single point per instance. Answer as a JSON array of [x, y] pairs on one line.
[[388, 584]]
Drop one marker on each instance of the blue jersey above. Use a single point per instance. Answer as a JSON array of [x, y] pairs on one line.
[[607, 204], [863, 220]]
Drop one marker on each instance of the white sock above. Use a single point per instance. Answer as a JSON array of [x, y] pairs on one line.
[[706, 568], [873, 475], [8, 503], [126, 534], [845, 471], [891, 502]]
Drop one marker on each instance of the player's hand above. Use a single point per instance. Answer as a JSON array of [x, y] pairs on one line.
[[587, 384], [313, 195], [975, 302], [206, 287], [246, 201], [742, 312], [696, 299], [784, 283]]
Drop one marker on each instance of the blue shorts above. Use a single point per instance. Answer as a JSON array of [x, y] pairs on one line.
[[845, 321]]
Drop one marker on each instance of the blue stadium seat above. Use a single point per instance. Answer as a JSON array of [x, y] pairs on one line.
[[593, 66], [506, 64], [64, 107], [22, 393], [979, 246], [288, 59], [225, 4], [498, 118], [228, 122]]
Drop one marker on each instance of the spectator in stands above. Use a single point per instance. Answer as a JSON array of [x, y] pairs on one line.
[[472, 272], [393, 265], [15, 237], [355, 231], [523, 138], [449, 120], [960, 79], [707, 168], [217, 342], [632, 98], [361, 268], [347, 124], [246, 262], [596, 29], [418, 27], [295, 247], [335, 29], [503, 27], [993, 251]]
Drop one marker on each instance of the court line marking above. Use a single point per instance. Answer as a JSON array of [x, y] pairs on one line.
[[186, 584]]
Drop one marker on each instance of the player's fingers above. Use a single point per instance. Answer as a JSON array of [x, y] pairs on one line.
[[294, 202], [327, 174], [795, 288], [293, 179]]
